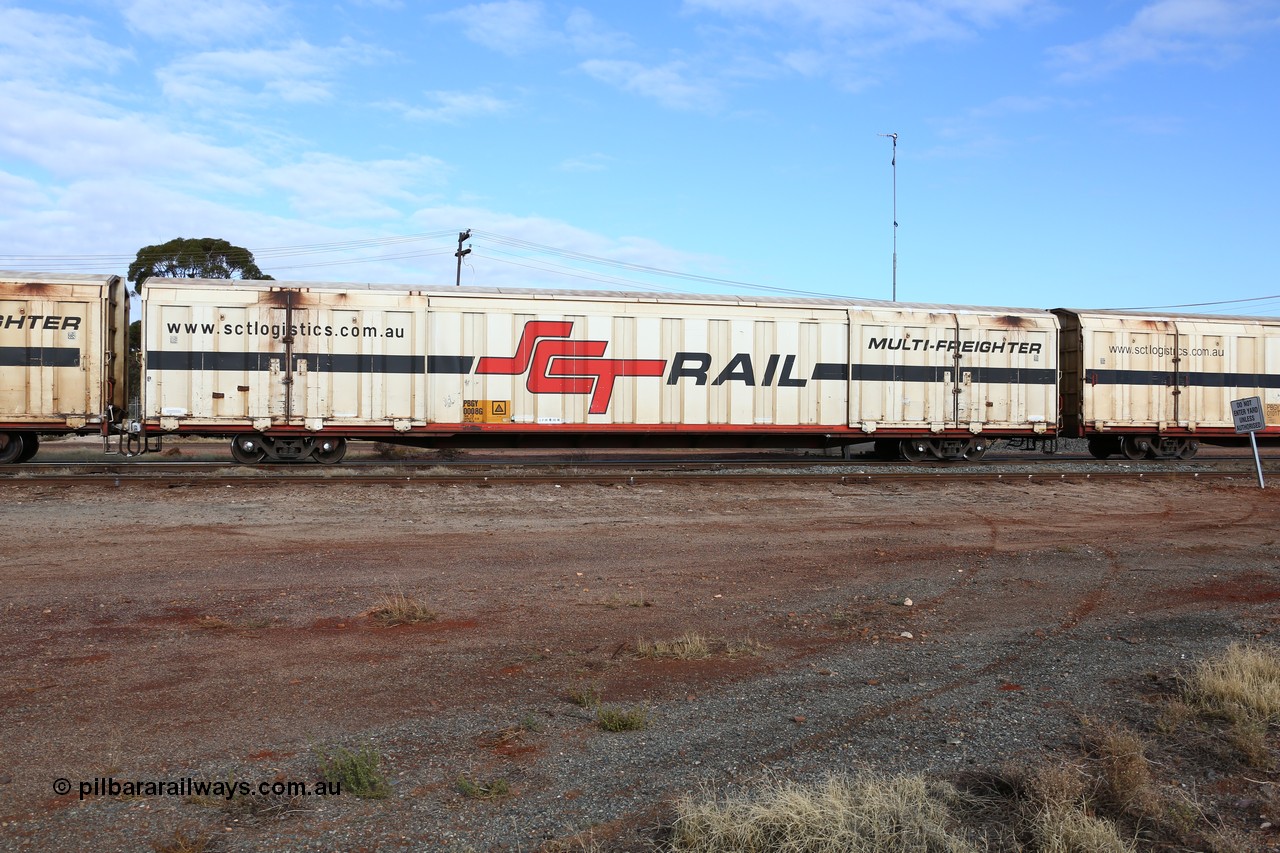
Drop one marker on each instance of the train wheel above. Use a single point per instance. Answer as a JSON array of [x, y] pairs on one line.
[[247, 449], [30, 444], [1135, 446], [914, 449], [1188, 449], [329, 451], [975, 451], [1103, 446], [11, 446]]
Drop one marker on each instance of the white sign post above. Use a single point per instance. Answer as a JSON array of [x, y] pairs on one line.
[[1249, 418]]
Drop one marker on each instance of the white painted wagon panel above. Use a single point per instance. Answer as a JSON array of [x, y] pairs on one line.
[[1154, 372], [247, 353], [62, 346], [916, 368]]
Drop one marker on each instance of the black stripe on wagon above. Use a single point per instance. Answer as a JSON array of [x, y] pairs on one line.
[[829, 370], [260, 361], [1166, 378], [935, 373], [449, 363], [39, 357]]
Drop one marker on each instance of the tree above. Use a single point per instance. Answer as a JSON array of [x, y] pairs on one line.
[[191, 257]]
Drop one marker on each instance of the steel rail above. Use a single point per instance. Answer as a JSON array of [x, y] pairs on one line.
[[294, 476]]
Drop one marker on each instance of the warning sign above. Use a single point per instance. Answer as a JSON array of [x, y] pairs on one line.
[[486, 411], [1248, 414]]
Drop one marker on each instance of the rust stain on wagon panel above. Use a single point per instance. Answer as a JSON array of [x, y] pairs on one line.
[[31, 289], [1013, 321], [287, 297], [277, 298]]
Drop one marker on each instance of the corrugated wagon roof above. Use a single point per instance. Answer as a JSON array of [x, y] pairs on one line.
[[599, 295]]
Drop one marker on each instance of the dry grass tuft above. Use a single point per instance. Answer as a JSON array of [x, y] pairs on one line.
[[1072, 830], [1250, 741], [622, 719], [1056, 814], [399, 609], [483, 790], [691, 646], [357, 773], [1124, 773], [900, 814], [184, 842], [582, 842], [584, 695], [1241, 685], [1059, 786], [746, 647]]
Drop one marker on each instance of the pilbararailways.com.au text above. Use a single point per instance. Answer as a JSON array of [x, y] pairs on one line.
[[188, 786]]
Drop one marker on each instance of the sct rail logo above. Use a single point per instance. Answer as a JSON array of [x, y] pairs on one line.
[[557, 365]]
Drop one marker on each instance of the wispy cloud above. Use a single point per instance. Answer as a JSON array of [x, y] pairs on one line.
[[200, 21], [1150, 125], [880, 22], [588, 163], [450, 107], [298, 73], [843, 42], [985, 129], [515, 27], [39, 46], [511, 27], [18, 193], [1200, 31], [331, 186], [669, 85], [73, 137], [588, 35]]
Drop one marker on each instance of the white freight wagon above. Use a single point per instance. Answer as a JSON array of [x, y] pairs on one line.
[[63, 364], [294, 369], [1157, 385]]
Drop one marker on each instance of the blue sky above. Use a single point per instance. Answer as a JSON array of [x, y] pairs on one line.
[[1109, 154]]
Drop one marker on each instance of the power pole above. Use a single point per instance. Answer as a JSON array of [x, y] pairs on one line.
[[894, 164], [461, 253]]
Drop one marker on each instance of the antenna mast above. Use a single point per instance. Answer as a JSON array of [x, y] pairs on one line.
[[894, 164]]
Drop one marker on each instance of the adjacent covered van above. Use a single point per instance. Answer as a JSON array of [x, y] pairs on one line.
[[63, 354], [1159, 384]]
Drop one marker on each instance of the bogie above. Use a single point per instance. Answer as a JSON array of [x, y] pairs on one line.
[[251, 448]]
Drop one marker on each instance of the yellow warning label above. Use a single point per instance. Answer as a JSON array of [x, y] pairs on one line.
[[1272, 413], [486, 411]]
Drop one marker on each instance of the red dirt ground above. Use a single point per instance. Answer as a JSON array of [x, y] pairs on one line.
[[221, 632]]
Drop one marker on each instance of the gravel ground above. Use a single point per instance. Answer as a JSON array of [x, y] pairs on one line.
[[156, 633]]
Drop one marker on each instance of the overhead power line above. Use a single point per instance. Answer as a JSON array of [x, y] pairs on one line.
[[1203, 304], [527, 245]]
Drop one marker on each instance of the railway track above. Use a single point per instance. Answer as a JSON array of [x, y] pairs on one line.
[[626, 471]]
